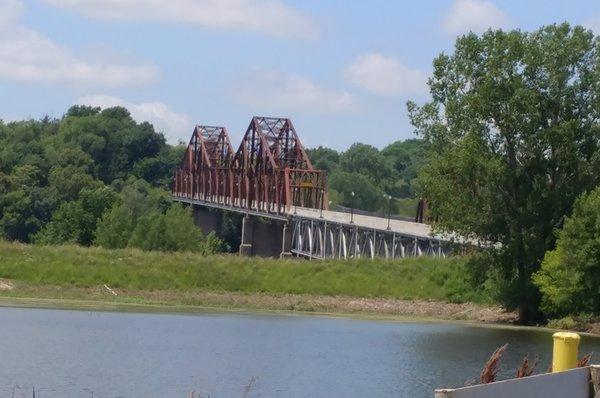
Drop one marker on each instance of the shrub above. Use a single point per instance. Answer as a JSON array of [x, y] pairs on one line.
[[566, 323], [115, 228], [569, 278], [213, 244], [181, 234], [173, 231], [76, 221], [68, 225], [149, 232]]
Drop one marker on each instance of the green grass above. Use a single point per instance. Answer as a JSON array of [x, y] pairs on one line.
[[419, 278]]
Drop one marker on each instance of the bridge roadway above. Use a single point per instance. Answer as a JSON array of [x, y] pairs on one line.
[[325, 234], [368, 222]]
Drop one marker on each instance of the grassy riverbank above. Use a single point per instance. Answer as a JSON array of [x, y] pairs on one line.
[[424, 286]]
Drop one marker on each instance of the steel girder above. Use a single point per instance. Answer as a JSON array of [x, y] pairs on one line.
[[318, 238], [269, 172]]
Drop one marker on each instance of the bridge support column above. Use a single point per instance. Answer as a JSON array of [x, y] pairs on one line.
[[247, 236], [286, 241], [207, 220]]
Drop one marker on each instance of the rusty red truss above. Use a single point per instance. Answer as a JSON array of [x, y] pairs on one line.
[[269, 172], [205, 167]]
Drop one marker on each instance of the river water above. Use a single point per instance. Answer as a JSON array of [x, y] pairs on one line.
[[65, 353]]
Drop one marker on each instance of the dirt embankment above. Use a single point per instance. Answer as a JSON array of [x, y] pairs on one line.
[[6, 285], [351, 305], [260, 301]]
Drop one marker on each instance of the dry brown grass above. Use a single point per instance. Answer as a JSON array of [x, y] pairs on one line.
[[527, 368], [490, 370], [584, 361], [262, 301]]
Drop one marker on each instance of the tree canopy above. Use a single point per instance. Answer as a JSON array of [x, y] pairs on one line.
[[514, 134], [373, 174], [93, 176]]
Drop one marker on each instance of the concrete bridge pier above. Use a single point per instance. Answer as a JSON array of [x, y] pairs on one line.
[[208, 220], [246, 244], [258, 236], [286, 241], [265, 238]]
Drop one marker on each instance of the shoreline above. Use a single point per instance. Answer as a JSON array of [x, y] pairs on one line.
[[128, 304], [173, 301], [411, 289]]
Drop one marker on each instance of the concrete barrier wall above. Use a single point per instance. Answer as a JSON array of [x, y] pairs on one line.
[[574, 383]]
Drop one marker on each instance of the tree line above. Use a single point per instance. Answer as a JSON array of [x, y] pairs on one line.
[[381, 180], [93, 177]]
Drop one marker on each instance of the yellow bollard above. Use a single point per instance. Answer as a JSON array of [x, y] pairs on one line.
[[565, 351]]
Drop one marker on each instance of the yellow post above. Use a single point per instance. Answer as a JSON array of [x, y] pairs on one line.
[[565, 351]]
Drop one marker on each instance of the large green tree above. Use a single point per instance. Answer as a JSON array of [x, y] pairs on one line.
[[367, 195], [115, 142], [514, 133], [25, 204], [323, 158], [407, 158], [366, 160]]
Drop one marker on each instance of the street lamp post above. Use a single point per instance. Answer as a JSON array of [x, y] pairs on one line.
[[389, 197], [352, 209], [295, 200]]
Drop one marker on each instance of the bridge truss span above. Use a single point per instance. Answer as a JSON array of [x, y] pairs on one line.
[[270, 171], [204, 173]]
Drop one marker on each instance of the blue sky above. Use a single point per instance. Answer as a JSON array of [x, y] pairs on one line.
[[342, 70]]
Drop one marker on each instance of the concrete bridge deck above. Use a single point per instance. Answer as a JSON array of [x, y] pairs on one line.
[[362, 221], [325, 234]]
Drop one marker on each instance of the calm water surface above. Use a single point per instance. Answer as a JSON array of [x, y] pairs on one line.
[[103, 354]]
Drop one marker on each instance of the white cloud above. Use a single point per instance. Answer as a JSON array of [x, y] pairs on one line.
[[174, 125], [273, 90], [271, 17], [27, 56], [10, 10], [476, 16], [385, 75]]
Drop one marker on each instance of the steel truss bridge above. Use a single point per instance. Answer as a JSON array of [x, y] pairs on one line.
[[270, 177]]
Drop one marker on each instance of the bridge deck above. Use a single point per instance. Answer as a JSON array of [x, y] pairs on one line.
[[333, 235], [368, 222], [406, 228]]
